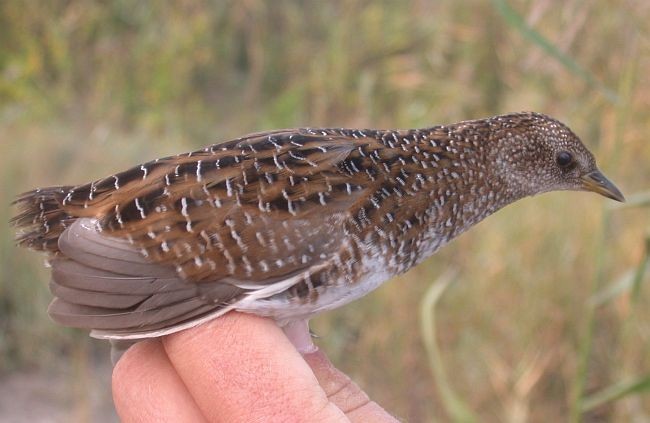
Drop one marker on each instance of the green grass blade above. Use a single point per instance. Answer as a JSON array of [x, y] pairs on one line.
[[616, 392], [455, 407], [641, 271], [586, 339], [621, 285], [630, 282], [517, 21]]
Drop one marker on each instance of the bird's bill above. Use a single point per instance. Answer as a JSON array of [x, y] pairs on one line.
[[597, 182]]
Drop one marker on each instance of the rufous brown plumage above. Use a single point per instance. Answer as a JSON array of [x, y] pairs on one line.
[[284, 223]]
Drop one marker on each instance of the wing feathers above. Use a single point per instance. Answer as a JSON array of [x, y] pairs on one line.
[[180, 240], [82, 243], [113, 320], [96, 299], [106, 284], [72, 274]]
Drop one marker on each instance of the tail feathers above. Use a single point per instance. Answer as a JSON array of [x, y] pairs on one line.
[[42, 218]]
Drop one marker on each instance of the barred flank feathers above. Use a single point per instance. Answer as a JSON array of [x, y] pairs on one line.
[[41, 218]]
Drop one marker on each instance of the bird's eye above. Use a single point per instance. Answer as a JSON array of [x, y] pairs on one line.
[[564, 159]]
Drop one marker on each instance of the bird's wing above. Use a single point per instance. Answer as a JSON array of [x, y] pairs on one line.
[[105, 284], [253, 210], [201, 236]]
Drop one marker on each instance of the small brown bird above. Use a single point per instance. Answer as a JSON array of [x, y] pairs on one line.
[[286, 223]]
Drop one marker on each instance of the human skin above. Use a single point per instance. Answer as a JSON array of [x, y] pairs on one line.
[[240, 368]]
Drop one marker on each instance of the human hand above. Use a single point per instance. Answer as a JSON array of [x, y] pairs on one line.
[[237, 368]]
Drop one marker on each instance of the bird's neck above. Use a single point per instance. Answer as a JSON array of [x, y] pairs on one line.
[[462, 186]]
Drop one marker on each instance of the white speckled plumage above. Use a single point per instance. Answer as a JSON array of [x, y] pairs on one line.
[[287, 223]]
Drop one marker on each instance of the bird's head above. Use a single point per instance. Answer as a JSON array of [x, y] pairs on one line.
[[538, 154]]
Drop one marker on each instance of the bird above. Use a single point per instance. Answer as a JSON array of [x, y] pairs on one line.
[[284, 224]]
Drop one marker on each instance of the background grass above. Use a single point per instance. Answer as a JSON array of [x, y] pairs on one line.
[[547, 317]]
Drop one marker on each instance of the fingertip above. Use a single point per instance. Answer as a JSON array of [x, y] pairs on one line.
[[344, 393], [129, 367], [146, 387]]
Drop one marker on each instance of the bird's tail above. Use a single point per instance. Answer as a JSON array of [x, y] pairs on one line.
[[41, 218]]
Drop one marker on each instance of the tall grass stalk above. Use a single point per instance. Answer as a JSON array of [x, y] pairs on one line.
[[589, 322], [517, 21], [455, 407]]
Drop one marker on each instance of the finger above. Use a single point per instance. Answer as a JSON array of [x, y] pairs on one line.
[[146, 387], [344, 393], [241, 367]]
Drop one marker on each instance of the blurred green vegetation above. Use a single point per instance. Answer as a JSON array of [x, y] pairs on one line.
[[548, 315]]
